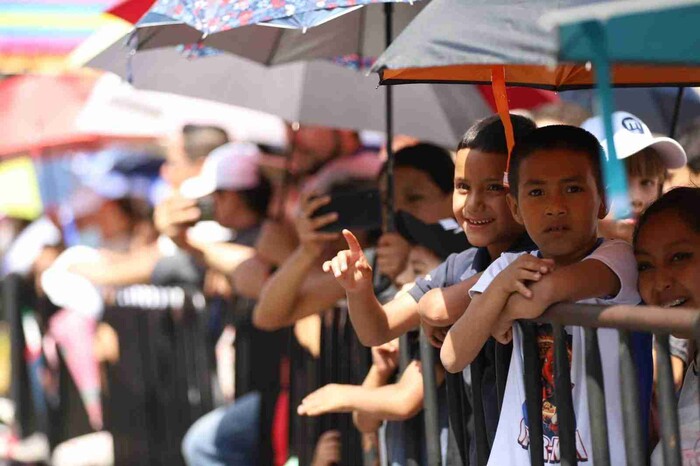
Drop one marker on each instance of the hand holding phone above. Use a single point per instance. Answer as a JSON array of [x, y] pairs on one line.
[[309, 225]]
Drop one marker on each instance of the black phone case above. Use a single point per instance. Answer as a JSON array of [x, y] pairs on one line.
[[359, 210]]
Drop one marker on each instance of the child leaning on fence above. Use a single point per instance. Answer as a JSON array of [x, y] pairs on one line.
[[667, 248], [557, 194]]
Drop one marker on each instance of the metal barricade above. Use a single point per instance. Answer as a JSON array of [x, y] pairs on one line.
[[162, 381], [659, 321]]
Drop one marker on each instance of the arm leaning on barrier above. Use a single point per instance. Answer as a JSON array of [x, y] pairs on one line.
[[468, 335]]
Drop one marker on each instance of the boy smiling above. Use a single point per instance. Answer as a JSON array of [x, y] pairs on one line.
[[557, 194]]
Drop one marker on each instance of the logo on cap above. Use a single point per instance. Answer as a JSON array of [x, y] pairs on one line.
[[633, 125]]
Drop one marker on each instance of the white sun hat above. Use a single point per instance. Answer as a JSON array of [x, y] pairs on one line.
[[231, 167], [631, 135]]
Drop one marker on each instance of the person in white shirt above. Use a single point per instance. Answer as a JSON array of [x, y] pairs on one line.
[[556, 192]]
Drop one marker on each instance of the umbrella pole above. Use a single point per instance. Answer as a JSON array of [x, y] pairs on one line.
[[391, 220], [676, 112]]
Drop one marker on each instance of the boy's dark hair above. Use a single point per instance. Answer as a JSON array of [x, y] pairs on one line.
[[684, 201], [199, 140], [434, 160], [488, 135], [561, 137], [258, 198], [690, 140]]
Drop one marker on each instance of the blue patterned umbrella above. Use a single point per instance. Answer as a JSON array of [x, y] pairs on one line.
[[212, 16], [354, 37]]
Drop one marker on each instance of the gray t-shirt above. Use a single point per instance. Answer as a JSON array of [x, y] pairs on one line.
[[456, 268]]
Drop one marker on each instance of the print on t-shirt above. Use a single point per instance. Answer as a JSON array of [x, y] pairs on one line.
[[550, 424]]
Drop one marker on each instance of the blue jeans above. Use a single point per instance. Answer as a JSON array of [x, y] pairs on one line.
[[227, 436]]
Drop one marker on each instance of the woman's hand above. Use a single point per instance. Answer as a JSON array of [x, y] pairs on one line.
[[311, 240]]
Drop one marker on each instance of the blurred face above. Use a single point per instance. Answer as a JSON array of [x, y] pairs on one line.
[[668, 259], [683, 176], [228, 208], [643, 191], [479, 200], [178, 167], [416, 193], [559, 203], [312, 147]]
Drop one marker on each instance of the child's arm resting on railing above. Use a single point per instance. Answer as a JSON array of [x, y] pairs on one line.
[[468, 335], [582, 280], [441, 307]]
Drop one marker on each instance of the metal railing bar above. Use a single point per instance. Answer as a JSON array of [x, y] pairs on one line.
[[430, 402], [668, 410], [533, 392], [680, 321], [566, 417], [458, 413], [502, 361], [596, 399], [482, 445], [631, 416]]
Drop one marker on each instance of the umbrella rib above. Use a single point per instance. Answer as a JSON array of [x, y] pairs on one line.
[[360, 42], [273, 49]]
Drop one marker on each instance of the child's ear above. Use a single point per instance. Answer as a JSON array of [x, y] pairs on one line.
[[513, 205]]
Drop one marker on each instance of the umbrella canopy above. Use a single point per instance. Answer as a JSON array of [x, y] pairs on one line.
[[37, 35], [626, 25], [316, 93], [475, 35], [655, 106], [85, 108], [358, 34], [211, 17]]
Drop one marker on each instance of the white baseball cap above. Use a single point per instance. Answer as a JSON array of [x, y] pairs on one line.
[[231, 167], [631, 135]]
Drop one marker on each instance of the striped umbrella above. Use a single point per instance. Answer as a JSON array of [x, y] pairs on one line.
[[38, 35]]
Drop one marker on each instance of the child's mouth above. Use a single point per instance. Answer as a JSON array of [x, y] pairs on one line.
[[472, 222], [557, 229], [675, 303]]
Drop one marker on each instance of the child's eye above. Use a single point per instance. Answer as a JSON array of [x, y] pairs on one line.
[[495, 187], [462, 186], [647, 182], [681, 256], [535, 193], [643, 266], [574, 189]]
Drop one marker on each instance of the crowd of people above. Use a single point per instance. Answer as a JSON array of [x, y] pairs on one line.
[[289, 236]]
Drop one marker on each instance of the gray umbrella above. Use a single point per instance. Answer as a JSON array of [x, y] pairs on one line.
[[359, 33], [316, 92], [655, 106]]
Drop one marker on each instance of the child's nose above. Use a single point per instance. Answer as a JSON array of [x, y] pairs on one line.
[[662, 281], [556, 206], [473, 202]]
